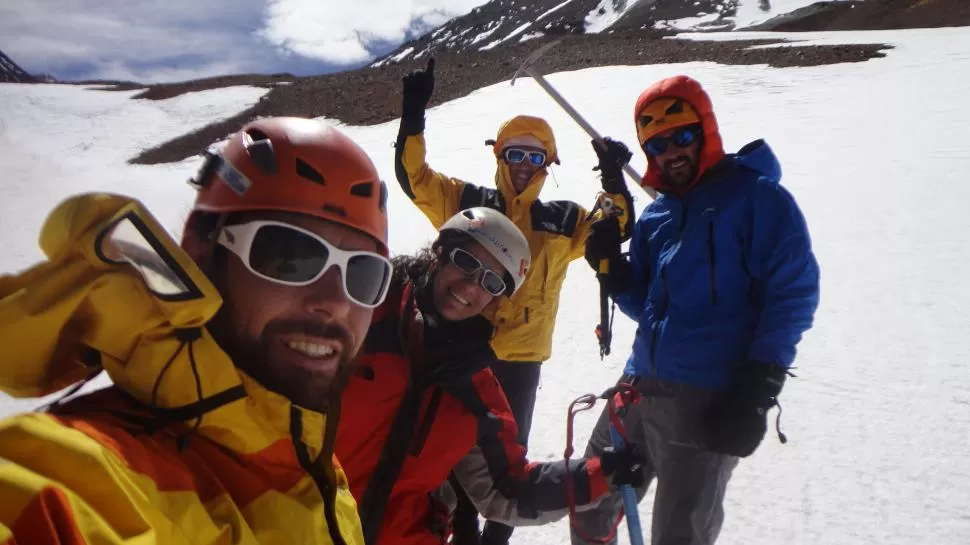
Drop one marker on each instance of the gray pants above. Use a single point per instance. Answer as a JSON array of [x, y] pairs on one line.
[[667, 427]]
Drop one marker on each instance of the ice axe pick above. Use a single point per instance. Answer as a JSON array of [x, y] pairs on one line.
[[528, 68]]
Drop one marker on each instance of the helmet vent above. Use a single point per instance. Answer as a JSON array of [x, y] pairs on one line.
[[383, 202], [304, 170], [265, 158], [363, 189], [255, 135], [260, 150]]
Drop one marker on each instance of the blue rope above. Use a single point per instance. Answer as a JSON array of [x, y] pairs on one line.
[[629, 496]]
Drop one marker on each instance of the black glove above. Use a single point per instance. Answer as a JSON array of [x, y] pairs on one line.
[[623, 466], [603, 242], [417, 87], [612, 155], [737, 422]]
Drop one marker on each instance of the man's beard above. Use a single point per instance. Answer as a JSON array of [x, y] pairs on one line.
[[299, 385], [690, 176]]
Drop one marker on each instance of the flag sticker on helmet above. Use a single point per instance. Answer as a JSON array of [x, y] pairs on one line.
[[233, 178]]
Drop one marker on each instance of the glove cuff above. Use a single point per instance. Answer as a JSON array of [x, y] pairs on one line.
[[612, 181], [769, 378], [412, 122], [620, 277]]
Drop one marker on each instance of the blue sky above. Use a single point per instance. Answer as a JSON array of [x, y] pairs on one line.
[[173, 40]]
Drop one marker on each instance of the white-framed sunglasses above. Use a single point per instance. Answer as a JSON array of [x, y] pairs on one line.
[[293, 256], [490, 281], [516, 156]]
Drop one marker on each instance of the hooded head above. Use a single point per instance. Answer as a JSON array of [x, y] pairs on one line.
[[526, 133], [677, 104]]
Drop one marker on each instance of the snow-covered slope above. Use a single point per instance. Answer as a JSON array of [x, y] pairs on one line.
[[874, 152]]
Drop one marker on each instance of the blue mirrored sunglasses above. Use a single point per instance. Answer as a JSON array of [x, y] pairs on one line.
[[681, 138], [516, 156]]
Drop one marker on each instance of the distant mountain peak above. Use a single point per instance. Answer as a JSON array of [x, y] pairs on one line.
[[507, 22], [10, 72]]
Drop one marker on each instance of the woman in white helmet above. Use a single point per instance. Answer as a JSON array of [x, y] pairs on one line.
[[424, 402]]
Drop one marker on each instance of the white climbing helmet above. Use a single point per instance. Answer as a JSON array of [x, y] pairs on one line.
[[500, 237]]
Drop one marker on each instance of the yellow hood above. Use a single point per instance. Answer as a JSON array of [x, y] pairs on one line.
[[519, 126]]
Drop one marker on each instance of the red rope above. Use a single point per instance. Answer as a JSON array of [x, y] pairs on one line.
[[617, 399]]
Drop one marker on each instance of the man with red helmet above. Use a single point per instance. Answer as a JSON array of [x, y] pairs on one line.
[[227, 354]]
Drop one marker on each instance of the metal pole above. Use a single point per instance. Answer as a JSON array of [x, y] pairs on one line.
[[551, 91]]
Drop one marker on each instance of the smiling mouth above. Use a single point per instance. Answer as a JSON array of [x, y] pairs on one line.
[[678, 164], [458, 298], [311, 349]]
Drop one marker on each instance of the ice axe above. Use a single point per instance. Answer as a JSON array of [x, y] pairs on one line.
[[604, 333], [528, 67]]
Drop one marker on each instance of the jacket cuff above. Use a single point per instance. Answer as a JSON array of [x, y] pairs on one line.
[[771, 355]]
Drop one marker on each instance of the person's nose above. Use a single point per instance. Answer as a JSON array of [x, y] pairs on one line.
[[328, 296]]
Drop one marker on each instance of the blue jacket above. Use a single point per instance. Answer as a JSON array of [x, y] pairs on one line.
[[722, 276]]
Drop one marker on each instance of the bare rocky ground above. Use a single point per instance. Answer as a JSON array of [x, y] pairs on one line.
[[372, 95], [873, 15]]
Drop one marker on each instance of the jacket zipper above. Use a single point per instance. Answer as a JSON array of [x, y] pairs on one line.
[[683, 219], [545, 276], [324, 485], [654, 335], [747, 273], [425, 429], [712, 254]]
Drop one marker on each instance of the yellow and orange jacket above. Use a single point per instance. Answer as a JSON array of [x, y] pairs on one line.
[[556, 231], [183, 447]]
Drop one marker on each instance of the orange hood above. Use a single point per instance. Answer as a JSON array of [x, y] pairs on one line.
[[690, 90]]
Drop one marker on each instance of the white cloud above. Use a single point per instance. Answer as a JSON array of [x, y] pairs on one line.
[[183, 39], [345, 32], [107, 39]]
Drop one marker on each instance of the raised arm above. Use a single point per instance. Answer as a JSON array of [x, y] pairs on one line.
[[435, 194]]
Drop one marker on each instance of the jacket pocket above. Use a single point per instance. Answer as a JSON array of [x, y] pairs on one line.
[[712, 254]]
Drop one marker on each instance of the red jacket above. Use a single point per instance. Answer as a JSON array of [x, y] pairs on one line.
[[431, 388]]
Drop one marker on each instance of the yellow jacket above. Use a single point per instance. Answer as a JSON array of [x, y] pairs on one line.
[[183, 448], [556, 231]]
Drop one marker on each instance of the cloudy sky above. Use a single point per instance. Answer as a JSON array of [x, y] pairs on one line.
[[171, 40]]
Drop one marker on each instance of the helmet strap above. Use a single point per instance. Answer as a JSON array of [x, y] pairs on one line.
[[424, 295], [208, 261]]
